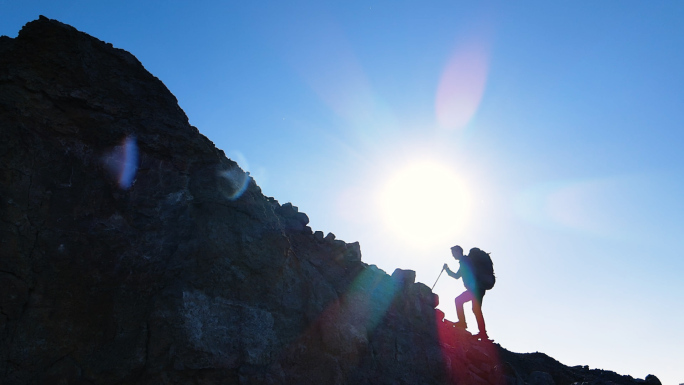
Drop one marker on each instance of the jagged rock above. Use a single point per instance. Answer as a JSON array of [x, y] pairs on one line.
[[404, 277], [133, 251], [524, 365]]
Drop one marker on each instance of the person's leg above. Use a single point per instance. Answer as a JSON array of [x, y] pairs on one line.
[[477, 310], [460, 300]]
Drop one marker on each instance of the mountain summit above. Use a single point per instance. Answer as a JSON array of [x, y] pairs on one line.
[[132, 251]]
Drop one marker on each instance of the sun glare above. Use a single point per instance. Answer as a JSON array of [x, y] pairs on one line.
[[424, 204]]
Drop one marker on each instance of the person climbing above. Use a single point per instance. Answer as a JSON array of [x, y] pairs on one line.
[[477, 272]]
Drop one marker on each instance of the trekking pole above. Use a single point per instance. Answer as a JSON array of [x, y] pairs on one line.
[[440, 274]]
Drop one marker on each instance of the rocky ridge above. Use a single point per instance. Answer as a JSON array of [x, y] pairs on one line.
[[132, 251]]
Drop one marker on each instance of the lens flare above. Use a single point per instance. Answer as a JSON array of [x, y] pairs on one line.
[[122, 162], [607, 207], [461, 352], [371, 294], [239, 181], [129, 164], [461, 86], [347, 321]]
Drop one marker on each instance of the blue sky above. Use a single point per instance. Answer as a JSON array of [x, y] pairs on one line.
[[549, 134]]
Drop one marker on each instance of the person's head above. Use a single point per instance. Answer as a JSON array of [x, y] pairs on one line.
[[457, 252]]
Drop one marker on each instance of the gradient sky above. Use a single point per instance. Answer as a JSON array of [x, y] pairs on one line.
[[547, 133]]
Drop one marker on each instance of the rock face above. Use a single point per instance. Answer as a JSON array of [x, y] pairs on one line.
[[133, 251]]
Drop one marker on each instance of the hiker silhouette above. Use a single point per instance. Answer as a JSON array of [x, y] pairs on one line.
[[478, 276]]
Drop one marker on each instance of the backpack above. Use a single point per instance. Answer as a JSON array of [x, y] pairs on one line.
[[484, 268]]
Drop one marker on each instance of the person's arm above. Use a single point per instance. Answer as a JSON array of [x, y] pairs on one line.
[[451, 274]]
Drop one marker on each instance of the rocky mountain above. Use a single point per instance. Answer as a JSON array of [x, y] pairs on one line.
[[132, 251]]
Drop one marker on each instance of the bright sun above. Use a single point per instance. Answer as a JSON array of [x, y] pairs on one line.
[[424, 204]]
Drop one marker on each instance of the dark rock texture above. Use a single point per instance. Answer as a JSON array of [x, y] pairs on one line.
[[132, 251]]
